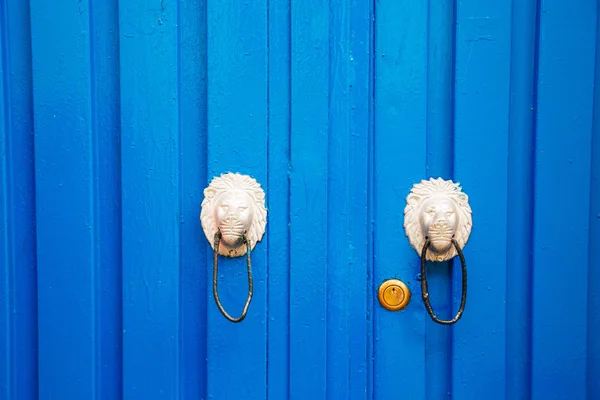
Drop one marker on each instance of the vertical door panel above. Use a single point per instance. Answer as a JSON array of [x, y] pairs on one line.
[[340, 277], [163, 104], [593, 287], [348, 148], [106, 117], [399, 160], [76, 131], [358, 266], [152, 198], [520, 179], [330, 97], [562, 192], [237, 142], [481, 143], [18, 292], [310, 83], [278, 201], [64, 137], [195, 272]]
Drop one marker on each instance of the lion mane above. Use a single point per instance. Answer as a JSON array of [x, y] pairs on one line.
[[423, 191], [252, 188]]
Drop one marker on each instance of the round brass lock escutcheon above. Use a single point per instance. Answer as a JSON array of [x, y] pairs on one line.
[[393, 295]]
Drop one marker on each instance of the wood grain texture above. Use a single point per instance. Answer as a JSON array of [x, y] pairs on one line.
[[310, 130], [151, 198]]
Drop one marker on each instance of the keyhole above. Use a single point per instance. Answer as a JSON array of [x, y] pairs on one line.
[[393, 295]]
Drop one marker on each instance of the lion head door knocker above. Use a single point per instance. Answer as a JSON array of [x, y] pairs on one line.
[[437, 222], [233, 218]]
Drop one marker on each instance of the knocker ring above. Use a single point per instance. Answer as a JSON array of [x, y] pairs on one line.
[[215, 278], [425, 289]]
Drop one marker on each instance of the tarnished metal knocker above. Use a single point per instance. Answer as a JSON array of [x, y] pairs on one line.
[[438, 222], [215, 279], [425, 288], [233, 218]]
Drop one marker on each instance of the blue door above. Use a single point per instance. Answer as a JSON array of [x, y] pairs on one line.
[[116, 115]]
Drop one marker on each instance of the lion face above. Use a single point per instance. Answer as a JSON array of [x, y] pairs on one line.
[[437, 209], [234, 205], [438, 219], [233, 215]]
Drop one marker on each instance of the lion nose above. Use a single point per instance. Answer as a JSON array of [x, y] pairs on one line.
[[442, 223]]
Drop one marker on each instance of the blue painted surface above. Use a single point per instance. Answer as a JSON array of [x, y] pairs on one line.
[[567, 41], [237, 79], [520, 182], [481, 164], [67, 145], [18, 265], [152, 196], [115, 115], [399, 111]]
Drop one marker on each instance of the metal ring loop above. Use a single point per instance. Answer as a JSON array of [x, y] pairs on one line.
[[215, 278], [425, 289]]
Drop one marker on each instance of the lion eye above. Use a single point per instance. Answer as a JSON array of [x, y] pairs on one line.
[[243, 208], [223, 206], [431, 210], [449, 212]]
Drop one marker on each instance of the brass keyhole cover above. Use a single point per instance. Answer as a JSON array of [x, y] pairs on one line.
[[394, 295]]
